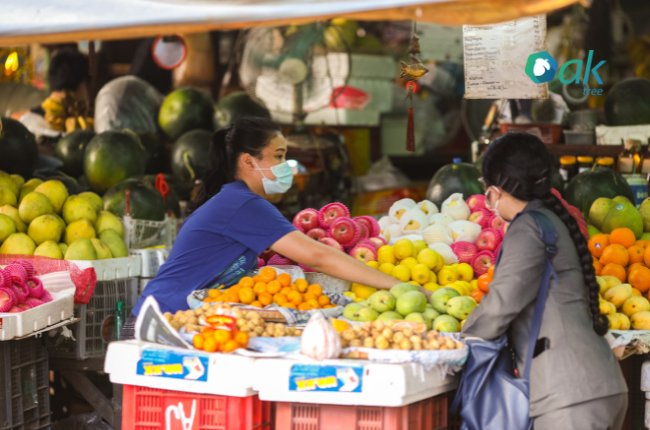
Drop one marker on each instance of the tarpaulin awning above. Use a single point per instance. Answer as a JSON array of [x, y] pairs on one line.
[[54, 21]]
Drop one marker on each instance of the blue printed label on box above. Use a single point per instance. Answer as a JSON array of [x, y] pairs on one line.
[[312, 377], [172, 364]]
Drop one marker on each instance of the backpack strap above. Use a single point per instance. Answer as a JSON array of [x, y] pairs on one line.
[[549, 237]]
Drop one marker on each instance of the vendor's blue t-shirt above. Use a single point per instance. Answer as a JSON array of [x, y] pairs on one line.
[[217, 244]]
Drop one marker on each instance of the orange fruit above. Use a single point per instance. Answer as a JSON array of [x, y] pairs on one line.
[[490, 272], [640, 278], [646, 256], [622, 236], [286, 290], [329, 306], [313, 303], [259, 288], [280, 299], [612, 269], [214, 293], [290, 305], [304, 306], [222, 336], [315, 289], [265, 299], [597, 244], [246, 295], [246, 281], [323, 300], [284, 279], [616, 254], [636, 253], [301, 284], [197, 341], [642, 243], [310, 296], [273, 287], [230, 346], [597, 266], [257, 279], [267, 274], [210, 345], [633, 266], [257, 304], [242, 339], [477, 295], [294, 297], [484, 282]]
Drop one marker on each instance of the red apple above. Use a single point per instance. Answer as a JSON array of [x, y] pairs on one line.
[[330, 212], [306, 219], [482, 262], [465, 251], [260, 262], [481, 217], [371, 224], [345, 231], [363, 229], [378, 241], [316, 233], [364, 253], [7, 299], [331, 242], [278, 260], [476, 202], [496, 222], [488, 239]]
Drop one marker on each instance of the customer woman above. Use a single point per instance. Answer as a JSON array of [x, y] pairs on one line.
[[234, 222], [575, 381]]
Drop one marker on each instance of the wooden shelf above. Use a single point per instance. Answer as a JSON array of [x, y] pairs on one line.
[[595, 150]]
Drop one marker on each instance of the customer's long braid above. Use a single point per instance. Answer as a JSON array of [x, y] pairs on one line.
[[600, 322]]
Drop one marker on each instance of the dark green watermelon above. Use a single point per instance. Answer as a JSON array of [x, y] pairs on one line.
[[173, 199], [190, 156], [146, 202], [584, 188], [237, 105], [18, 150], [72, 185], [454, 178], [183, 110], [111, 157], [71, 148], [628, 102], [156, 153]]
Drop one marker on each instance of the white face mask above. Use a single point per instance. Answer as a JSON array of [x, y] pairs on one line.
[[494, 209]]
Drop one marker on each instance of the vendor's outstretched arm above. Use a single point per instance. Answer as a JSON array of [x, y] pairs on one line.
[[322, 258]]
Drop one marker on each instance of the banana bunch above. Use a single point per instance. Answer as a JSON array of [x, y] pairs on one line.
[[66, 113]]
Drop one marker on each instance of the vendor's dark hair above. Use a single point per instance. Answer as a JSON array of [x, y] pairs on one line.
[[68, 69], [246, 135], [520, 164]]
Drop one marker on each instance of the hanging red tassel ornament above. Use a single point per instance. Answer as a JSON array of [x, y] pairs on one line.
[[411, 72]]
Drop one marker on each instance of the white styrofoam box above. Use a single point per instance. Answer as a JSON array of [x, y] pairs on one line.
[[614, 135], [151, 365], [151, 260], [113, 268], [23, 323], [377, 384]]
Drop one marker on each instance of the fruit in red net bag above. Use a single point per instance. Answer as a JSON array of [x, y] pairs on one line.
[[7, 299]]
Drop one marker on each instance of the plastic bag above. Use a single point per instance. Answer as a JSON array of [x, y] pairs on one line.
[[127, 102], [383, 175]]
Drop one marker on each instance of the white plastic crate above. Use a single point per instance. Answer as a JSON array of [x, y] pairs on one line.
[[21, 324], [368, 383], [156, 366], [150, 259], [141, 233], [113, 268], [613, 135]]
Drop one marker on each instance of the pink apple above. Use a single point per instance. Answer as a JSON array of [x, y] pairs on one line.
[[316, 233], [306, 219], [306, 268], [465, 251], [330, 212], [363, 229], [481, 217], [371, 224], [496, 222], [344, 230], [364, 253], [482, 262], [378, 241], [476, 202], [368, 242], [260, 262], [331, 242], [488, 239], [278, 260]]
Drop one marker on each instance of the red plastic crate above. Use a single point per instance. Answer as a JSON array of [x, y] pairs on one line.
[[152, 409], [428, 414]]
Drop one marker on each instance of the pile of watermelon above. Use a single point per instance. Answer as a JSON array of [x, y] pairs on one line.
[[20, 289]]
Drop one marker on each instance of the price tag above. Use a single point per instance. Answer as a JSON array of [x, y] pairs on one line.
[[174, 365], [315, 378]]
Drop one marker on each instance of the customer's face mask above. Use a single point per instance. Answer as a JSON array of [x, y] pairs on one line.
[[493, 191], [283, 178]]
